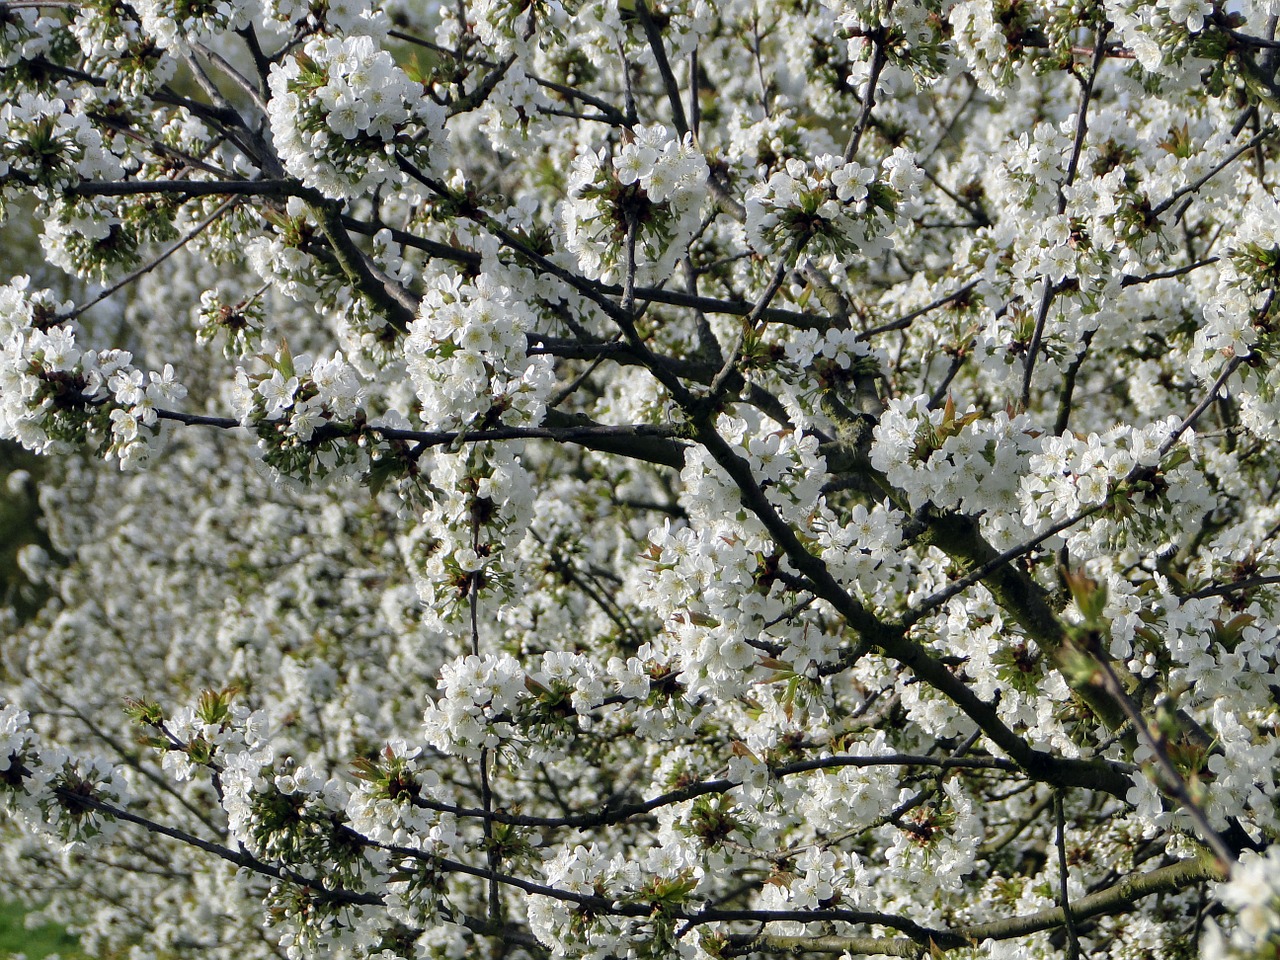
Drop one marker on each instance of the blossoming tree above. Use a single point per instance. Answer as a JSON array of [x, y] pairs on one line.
[[651, 479]]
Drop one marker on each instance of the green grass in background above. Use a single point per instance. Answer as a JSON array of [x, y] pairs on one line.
[[15, 938]]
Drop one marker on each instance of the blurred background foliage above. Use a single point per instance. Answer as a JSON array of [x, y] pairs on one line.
[[21, 529]]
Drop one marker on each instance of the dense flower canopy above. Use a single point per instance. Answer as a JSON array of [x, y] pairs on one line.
[[666, 478]]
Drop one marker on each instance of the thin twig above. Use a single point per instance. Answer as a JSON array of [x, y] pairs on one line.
[[1077, 147], [1263, 134], [1202, 406], [148, 267], [1174, 782], [879, 58], [1222, 589], [486, 788], [905, 321], [720, 383], [1064, 897]]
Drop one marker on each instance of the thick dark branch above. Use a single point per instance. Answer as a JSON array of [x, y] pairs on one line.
[[1016, 592], [1236, 586], [165, 95], [1114, 899], [750, 944], [1173, 780], [608, 817], [654, 36], [188, 188], [1121, 896], [641, 441], [893, 640], [474, 99], [1069, 382], [879, 57], [674, 298], [1130, 280], [638, 907], [395, 303], [433, 248]]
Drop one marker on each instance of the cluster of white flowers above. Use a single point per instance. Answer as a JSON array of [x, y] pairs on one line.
[[478, 516], [291, 813], [938, 842], [88, 239], [475, 692], [851, 797], [467, 355], [821, 880], [56, 795], [1159, 34], [178, 24], [716, 584], [489, 701], [1033, 166], [382, 807], [840, 209], [54, 395], [24, 35], [116, 49], [508, 26], [1123, 469], [654, 185], [984, 44], [915, 30], [952, 460], [46, 143], [1073, 472], [1253, 896], [281, 260], [201, 735], [238, 324], [591, 871], [245, 758], [510, 112], [787, 463], [858, 547], [1241, 318], [343, 114], [304, 411], [13, 729], [22, 776], [809, 348]]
